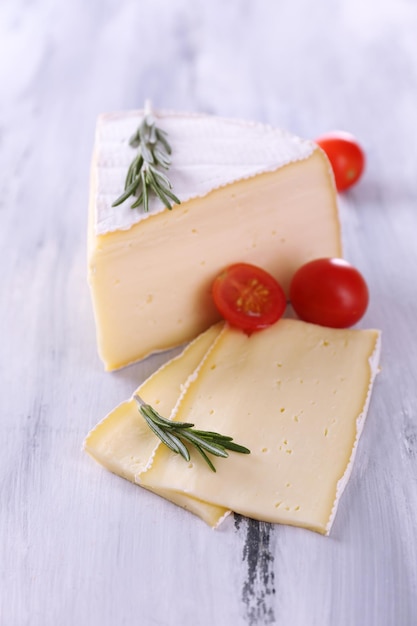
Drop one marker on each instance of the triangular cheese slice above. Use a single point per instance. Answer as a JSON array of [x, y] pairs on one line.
[[248, 193], [297, 395], [124, 444]]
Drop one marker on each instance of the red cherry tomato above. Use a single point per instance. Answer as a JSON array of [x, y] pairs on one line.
[[345, 155], [248, 297], [329, 292]]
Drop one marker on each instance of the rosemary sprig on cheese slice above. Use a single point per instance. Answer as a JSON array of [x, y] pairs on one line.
[[173, 434], [143, 176]]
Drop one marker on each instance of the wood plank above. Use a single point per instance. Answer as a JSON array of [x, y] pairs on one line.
[[78, 545]]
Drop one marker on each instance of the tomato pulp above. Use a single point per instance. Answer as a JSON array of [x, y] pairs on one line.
[[248, 297]]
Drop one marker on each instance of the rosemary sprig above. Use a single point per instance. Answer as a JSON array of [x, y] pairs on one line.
[[173, 435], [143, 176]]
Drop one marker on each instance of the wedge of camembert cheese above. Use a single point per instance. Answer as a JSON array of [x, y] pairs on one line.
[[249, 193], [295, 394]]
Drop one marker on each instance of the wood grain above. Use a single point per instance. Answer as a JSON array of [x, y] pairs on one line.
[[81, 546]]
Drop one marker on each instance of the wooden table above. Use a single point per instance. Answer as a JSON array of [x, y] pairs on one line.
[[78, 544]]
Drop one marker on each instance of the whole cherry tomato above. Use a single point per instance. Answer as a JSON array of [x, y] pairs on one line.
[[248, 297], [345, 155], [329, 292]]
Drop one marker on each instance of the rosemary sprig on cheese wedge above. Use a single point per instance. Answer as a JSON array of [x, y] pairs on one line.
[[143, 176], [173, 434]]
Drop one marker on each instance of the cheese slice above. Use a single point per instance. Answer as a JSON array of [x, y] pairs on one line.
[[248, 193], [123, 443], [296, 395]]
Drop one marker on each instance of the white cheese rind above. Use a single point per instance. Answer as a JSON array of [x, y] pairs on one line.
[[360, 422], [208, 152]]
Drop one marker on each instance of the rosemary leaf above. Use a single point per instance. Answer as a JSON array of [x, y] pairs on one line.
[[161, 135], [162, 159], [210, 434], [129, 175], [159, 176], [161, 189], [235, 447], [211, 447], [157, 418], [152, 134], [206, 458], [222, 440], [160, 433], [144, 191], [169, 193], [138, 202], [161, 195], [137, 165], [162, 421], [170, 439], [183, 450], [128, 192], [147, 153]]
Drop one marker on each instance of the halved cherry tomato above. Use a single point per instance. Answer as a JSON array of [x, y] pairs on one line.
[[329, 292], [345, 155], [248, 297]]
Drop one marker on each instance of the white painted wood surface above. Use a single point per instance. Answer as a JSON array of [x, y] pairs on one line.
[[77, 544]]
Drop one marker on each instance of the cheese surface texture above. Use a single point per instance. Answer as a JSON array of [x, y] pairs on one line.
[[296, 394], [248, 193], [123, 443]]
